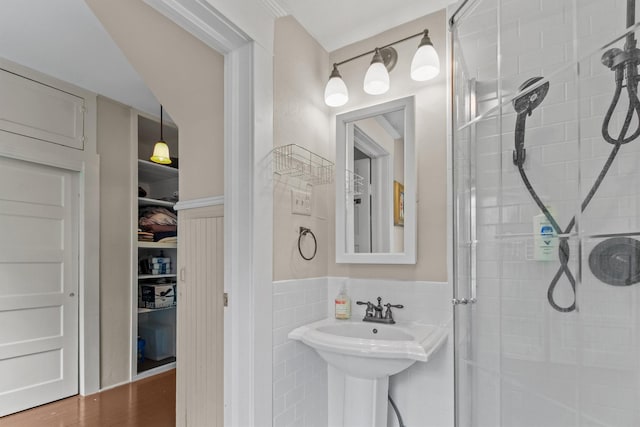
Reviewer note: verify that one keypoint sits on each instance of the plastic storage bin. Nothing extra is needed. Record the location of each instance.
(160, 340)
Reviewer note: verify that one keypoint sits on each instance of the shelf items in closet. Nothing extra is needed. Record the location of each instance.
(155, 327)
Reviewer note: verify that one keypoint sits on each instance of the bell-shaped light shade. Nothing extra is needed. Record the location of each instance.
(376, 81)
(161, 153)
(425, 64)
(335, 93)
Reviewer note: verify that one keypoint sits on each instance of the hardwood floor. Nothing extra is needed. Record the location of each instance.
(150, 402)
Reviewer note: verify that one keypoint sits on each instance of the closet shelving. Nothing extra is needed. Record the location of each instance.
(162, 181)
(155, 326)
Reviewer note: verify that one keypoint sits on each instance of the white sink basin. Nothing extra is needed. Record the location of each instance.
(361, 357)
(371, 350)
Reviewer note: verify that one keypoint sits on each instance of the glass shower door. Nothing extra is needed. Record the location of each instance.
(546, 214)
(476, 124)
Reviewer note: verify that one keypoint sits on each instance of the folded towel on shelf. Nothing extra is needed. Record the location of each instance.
(161, 236)
(173, 239)
(158, 228)
(156, 216)
(144, 236)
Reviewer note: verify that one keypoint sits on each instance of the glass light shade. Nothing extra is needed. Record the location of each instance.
(336, 93)
(376, 81)
(161, 153)
(425, 64)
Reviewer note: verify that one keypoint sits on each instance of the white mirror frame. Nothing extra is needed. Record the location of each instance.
(410, 183)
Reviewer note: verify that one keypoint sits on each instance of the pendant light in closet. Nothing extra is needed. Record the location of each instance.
(161, 149)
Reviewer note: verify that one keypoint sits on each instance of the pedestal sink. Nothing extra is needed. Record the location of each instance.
(361, 357)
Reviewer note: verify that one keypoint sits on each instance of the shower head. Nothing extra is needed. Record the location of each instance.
(610, 58)
(529, 100)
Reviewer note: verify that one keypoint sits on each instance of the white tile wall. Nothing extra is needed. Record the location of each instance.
(537, 366)
(424, 392)
(299, 374)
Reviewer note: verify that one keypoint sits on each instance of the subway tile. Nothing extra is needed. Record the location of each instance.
(559, 113)
(279, 336)
(283, 352)
(283, 386)
(283, 317)
(285, 419)
(278, 371)
(294, 364)
(294, 396)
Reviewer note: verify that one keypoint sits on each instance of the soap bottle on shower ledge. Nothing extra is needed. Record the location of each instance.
(545, 238)
(343, 303)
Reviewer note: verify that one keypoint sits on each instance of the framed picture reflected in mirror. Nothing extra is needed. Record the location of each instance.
(398, 204)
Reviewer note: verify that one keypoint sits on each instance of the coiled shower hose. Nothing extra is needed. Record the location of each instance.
(524, 105)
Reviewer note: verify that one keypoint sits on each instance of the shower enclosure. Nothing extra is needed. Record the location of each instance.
(546, 204)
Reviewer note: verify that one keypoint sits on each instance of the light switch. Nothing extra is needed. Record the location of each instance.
(301, 202)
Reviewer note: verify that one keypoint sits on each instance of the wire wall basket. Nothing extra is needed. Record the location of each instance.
(296, 161)
(354, 183)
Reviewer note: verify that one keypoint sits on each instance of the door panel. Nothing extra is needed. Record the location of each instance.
(40, 111)
(38, 284)
(200, 337)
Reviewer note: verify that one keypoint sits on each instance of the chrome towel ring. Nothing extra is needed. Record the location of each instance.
(303, 232)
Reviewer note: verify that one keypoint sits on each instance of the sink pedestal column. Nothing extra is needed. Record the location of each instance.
(357, 402)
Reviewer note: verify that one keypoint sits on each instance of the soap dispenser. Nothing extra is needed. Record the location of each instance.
(343, 303)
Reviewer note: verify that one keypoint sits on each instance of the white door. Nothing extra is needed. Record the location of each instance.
(38, 284)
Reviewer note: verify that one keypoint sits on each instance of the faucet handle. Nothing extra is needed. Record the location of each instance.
(369, 310)
(388, 314)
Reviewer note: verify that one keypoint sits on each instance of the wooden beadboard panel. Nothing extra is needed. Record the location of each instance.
(200, 352)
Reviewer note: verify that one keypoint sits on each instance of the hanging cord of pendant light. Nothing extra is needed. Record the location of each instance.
(161, 149)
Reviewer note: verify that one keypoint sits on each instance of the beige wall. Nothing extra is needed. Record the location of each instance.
(300, 117)
(186, 76)
(431, 133)
(301, 71)
(113, 137)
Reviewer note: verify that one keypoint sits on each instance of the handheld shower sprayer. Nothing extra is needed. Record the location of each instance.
(524, 104)
(624, 63)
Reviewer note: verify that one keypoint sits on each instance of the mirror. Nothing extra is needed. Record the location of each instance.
(375, 184)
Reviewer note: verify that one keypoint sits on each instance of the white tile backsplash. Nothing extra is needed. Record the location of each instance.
(299, 374)
(424, 392)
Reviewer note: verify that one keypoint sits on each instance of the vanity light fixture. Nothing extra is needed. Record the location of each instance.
(336, 93)
(424, 66)
(376, 81)
(161, 149)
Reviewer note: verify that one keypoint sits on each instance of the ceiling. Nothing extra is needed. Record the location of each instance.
(63, 38)
(338, 23)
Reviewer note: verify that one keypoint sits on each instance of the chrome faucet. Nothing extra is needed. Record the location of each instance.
(373, 313)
